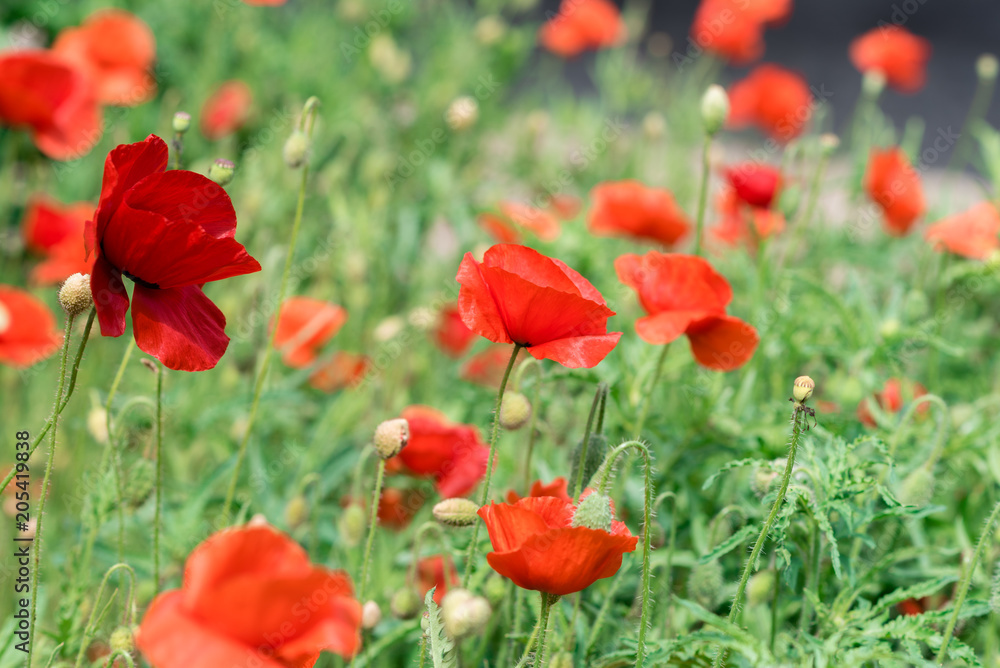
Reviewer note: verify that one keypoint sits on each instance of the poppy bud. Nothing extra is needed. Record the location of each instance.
(917, 488)
(495, 589)
(561, 660)
(371, 615)
(139, 482)
(759, 587)
(597, 448)
(122, 640)
(889, 328)
(986, 67)
(296, 512)
(828, 143)
(873, 83)
(594, 512)
(352, 525)
(222, 171)
(515, 409)
(915, 305)
(391, 437)
(296, 148)
(405, 603)
(463, 613)
(802, 389)
(705, 584)
(97, 424)
(456, 512)
(181, 122)
(462, 113)
(74, 295)
(714, 109)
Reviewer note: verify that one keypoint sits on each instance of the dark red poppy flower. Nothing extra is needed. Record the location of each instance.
(893, 184)
(558, 488)
(56, 231)
(974, 233)
(740, 223)
(734, 29)
(41, 91)
(755, 183)
(535, 546)
(170, 232)
(499, 228)
(116, 49)
(438, 571)
(894, 393)
(631, 209)
(226, 110)
(342, 370)
(899, 55)
(775, 100)
(242, 603)
(582, 25)
(910, 607)
(487, 367)
(539, 222)
(451, 334)
(684, 295)
(518, 295)
(27, 328)
(304, 327)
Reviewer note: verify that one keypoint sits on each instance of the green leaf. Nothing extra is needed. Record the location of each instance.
(441, 646)
(919, 590)
(728, 467)
(727, 546)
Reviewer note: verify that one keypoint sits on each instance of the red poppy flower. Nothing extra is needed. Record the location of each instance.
(56, 231)
(893, 184)
(775, 100)
(974, 233)
(116, 49)
(558, 488)
(539, 222)
(518, 295)
(891, 398)
(487, 367)
(343, 370)
(27, 328)
(226, 110)
(565, 206)
(743, 224)
(53, 98)
(304, 326)
(581, 25)
(170, 232)
(250, 597)
(683, 294)
(897, 53)
(629, 208)
(451, 334)
(438, 571)
(396, 507)
(755, 183)
(734, 29)
(911, 606)
(499, 228)
(535, 546)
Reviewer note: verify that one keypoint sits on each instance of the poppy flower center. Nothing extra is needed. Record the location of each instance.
(139, 281)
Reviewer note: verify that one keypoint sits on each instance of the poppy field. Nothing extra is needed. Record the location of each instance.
(430, 333)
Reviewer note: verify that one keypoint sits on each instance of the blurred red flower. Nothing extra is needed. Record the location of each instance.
(734, 29)
(451, 334)
(397, 507)
(565, 206)
(581, 25)
(518, 295)
(535, 546)
(558, 488)
(499, 228)
(893, 184)
(56, 231)
(170, 232)
(487, 367)
(897, 53)
(629, 208)
(116, 50)
(974, 233)
(539, 222)
(891, 399)
(683, 294)
(226, 110)
(241, 604)
(745, 205)
(53, 98)
(304, 326)
(343, 370)
(775, 100)
(27, 328)
(437, 571)
(755, 183)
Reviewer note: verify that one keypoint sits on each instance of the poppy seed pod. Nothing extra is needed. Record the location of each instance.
(456, 512)
(122, 640)
(371, 615)
(515, 410)
(222, 171)
(714, 108)
(391, 436)
(594, 512)
(802, 389)
(352, 525)
(296, 148)
(74, 295)
(181, 122)
(405, 603)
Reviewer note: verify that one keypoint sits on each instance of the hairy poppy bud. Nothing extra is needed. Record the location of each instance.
(405, 604)
(456, 512)
(802, 389)
(463, 613)
(714, 108)
(74, 295)
(495, 589)
(371, 615)
(297, 511)
(391, 437)
(222, 171)
(181, 122)
(352, 525)
(597, 448)
(705, 584)
(462, 113)
(122, 640)
(986, 67)
(594, 512)
(139, 482)
(917, 488)
(515, 410)
(296, 148)
(759, 587)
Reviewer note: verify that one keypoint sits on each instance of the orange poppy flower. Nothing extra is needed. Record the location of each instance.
(893, 184)
(745, 205)
(116, 50)
(499, 228)
(226, 110)
(487, 367)
(41, 91)
(974, 233)
(304, 326)
(241, 604)
(629, 208)
(27, 328)
(581, 25)
(536, 547)
(891, 399)
(451, 334)
(343, 370)
(734, 29)
(397, 507)
(897, 53)
(438, 571)
(684, 295)
(558, 488)
(775, 100)
(539, 222)
(56, 231)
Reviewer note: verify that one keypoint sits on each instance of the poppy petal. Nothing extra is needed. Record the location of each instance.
(577, 352)
(181, 327)
(668, 326)
(479, 311)
(110, 297)
(722, 343)
(511, 525)
(125, 166)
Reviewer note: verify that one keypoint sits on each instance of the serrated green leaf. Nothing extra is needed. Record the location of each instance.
(918, 590)
(728, 545)
(441, 646)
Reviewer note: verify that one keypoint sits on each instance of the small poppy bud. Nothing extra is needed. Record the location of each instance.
(515, 410)
(917, 488)
(389, 328)
(495, 589)
(828, 143)
(405, 604)
(181, 122)
(139, 482)
(802, 389)
(122, 640)
(258, 520)
(97, 424)
(456, 512)
(986, 67)
(463, 613)
(222, 171)
(714, 109)
(296, 148)
(352, 525)
(873, 83)
(594, 512)
(759, 588)
(74, 295)
(391, 437)
(705, 583)
(561, 660)
(297, 511)
(597, 448)
(371, 615)
(462, 113)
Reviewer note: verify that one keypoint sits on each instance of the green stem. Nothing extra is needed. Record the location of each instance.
(774, 607)
(538, 635)
(702, 194)
(494, 437)
(159, 479)
(115, 454)
(533, 420)
(963, 587)
(980, 104)
(812, 578)
(648, 399)
(602, 389)
(373, 523)
(418, 539)
(91, 628)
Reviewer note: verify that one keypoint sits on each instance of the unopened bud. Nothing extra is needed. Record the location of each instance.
(594, 512)
(222, 171)
(122, 640)
(462, 113)
(705, 584)
(74, 295)
(456, 512)
(371, 615)
(463, 613)
(917, 489)
(597, 449)
(490, 30)
(515, 410)
(391, 436)
(654, 126)
(802, 389)
(352, 525)
(495, 589)
(296, 148)
(986, 67)
(714, 109)
(405, 603)
(828, 143)
(759, 588)
(97, 424)
(296, 512)
(181, 122)
(873, 83)
(139, 482)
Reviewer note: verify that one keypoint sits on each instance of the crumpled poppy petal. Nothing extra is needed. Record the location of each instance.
(110, 297)
(511, 525)
(662, 328)
(577, 352)
(181, 327)
(479, 311)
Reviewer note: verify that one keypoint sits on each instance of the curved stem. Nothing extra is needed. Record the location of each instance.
(648, 399)
(91, 627)
(373, 523)
(602, 389)
(159, 479)
(702, 194)
(942, 425)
